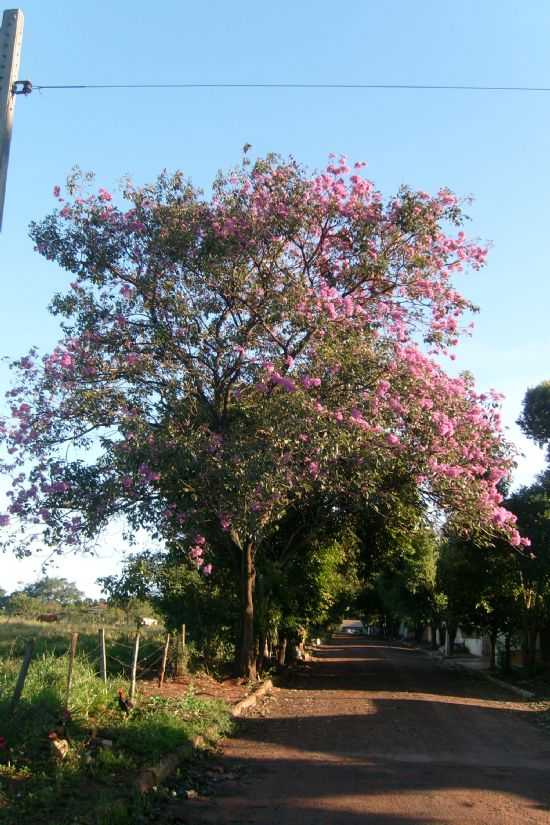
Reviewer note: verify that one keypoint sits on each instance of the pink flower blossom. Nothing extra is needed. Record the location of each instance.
(225, 522)
(313, 467)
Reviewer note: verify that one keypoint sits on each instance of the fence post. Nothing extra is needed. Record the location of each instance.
(164, 658)
(134, 667)
(102, 655)
(27, 656)
(72, 654)
(180, 652)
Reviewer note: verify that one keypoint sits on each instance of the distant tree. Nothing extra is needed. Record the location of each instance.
(175, 589)
(535, 418)
(308, 589)
(21, 604)
(406, 585)
(483, 589)
(58, 590)
(531, 505)
(398, 558)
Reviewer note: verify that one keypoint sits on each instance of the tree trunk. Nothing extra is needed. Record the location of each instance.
(493, 653)
(525, 646)
(263, 652)
(247, 658)
(545, 645)
(281, 652)
(450, 637)
(507, 652)
(532, 651)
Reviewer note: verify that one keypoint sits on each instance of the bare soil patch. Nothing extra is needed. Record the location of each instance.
(231, 689)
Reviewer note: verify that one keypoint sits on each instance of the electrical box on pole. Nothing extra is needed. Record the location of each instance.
(11, 38)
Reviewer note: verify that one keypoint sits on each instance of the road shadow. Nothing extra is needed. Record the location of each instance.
(374, 732)
(377, 792)
(350, 664)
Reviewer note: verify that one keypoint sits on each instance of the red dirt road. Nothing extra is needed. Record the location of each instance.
(383, 735)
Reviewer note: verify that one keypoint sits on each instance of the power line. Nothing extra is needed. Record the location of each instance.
(374, 86)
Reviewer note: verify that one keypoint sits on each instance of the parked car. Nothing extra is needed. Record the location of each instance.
(352, 627)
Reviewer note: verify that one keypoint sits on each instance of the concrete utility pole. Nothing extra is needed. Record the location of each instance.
(11, 37)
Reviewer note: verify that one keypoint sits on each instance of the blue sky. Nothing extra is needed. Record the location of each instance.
(494, 146)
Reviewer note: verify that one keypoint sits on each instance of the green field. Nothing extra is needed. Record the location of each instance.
(55, 639)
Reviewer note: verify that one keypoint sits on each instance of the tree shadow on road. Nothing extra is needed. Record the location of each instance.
(377, 733)
(377, 791)
(370, 665)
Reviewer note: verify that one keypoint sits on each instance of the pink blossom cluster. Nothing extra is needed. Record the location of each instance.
(196, 554)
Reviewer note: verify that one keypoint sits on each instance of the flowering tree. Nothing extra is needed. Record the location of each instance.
(225, 359)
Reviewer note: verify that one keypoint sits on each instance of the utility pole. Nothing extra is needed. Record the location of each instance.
(11, 38)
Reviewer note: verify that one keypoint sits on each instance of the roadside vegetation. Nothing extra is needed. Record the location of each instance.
(420, 578)
(94, 781)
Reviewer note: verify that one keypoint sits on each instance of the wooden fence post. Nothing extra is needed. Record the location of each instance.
(72, 654)
(27, 656)
(102, 655)
(164, 658)
(180, 652)
(134, 668)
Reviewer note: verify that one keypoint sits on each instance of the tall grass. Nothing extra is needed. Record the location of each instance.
(39, 788)
(156, 725)
(39, 709)
(54, 639)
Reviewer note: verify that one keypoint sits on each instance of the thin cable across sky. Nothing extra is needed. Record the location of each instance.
(366, 86)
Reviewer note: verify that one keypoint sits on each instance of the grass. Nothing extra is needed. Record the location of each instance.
(55, 639)
(84, 788)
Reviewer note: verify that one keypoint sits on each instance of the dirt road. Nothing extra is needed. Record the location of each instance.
(383, 735)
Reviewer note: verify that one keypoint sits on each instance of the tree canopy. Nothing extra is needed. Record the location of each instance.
(51, 589)
(535, 417)
(226, 359)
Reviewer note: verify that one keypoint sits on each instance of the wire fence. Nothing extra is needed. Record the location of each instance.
(135, 657)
